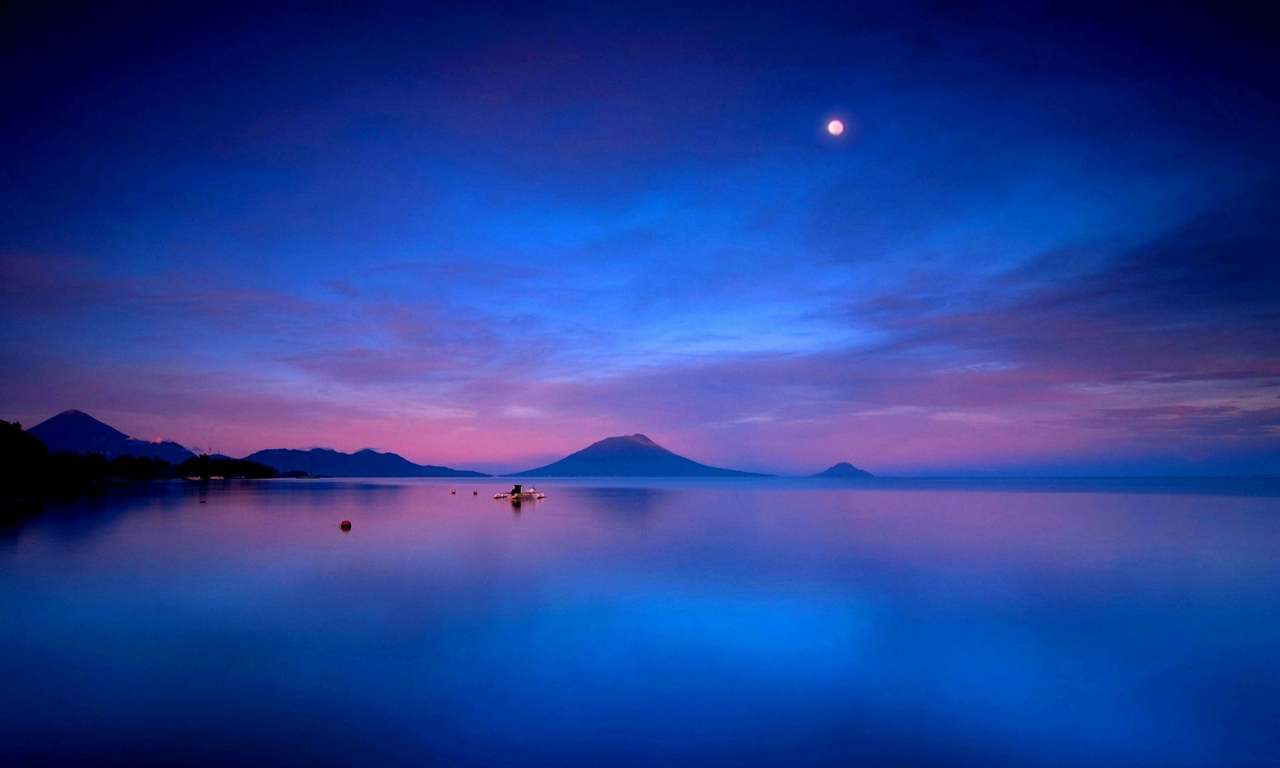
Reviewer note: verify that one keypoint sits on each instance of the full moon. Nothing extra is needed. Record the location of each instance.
(835, 127)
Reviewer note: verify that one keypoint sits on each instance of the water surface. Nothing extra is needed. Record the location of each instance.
(726, 622)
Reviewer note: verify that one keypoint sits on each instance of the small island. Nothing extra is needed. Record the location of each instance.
(843, 469)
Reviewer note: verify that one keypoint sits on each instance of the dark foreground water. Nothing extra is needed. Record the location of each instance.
(659, 623)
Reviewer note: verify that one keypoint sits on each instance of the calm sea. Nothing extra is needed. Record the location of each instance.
(657, 623)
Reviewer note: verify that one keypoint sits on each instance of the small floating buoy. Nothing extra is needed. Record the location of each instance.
(346, 525)
(455, 493)
(202, 501)
(475, 493)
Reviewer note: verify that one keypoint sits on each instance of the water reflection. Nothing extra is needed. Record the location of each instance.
(625, 504)
(676, 624)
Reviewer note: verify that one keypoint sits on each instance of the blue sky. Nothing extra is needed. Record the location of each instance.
(486, 236)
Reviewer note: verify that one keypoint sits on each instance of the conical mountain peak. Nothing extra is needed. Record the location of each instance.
(74, 426)
(77, 432)
(628, 456)
(843, 469)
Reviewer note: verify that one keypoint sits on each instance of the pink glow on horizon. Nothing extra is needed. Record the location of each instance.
(488, 240)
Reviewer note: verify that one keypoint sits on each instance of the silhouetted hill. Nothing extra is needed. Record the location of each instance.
(30, 475)
(843, 469)
(366, 463)
(629, 456)
(78, 432)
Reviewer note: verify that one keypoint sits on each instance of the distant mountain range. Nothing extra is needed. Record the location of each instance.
(629, 456)
(843, 469)
(366, 463)
(78, 432)
(623, 456)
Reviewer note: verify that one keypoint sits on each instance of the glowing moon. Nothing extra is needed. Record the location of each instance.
(835, 127)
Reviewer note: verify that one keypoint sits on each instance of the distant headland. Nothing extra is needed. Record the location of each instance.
(31, 474)
(76, 432)
(366, 463)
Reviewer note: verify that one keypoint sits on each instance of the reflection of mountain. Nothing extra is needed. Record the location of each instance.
(366, 463)
(77, 432)
(843, 469)
(623, 503)
(629, 456)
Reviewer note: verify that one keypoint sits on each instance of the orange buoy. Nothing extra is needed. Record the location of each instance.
(346, 525)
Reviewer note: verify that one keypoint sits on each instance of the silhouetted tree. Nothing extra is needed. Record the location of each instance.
(205, 467)
(29, 474)
(23, 463)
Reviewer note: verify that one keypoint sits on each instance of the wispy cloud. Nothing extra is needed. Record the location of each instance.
(1050, 238)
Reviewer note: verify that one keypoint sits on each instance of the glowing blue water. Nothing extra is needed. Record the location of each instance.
(647, 623)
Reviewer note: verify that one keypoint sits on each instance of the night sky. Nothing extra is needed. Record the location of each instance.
(486, 236)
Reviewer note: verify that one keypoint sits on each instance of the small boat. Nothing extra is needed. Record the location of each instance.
(520, 493)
